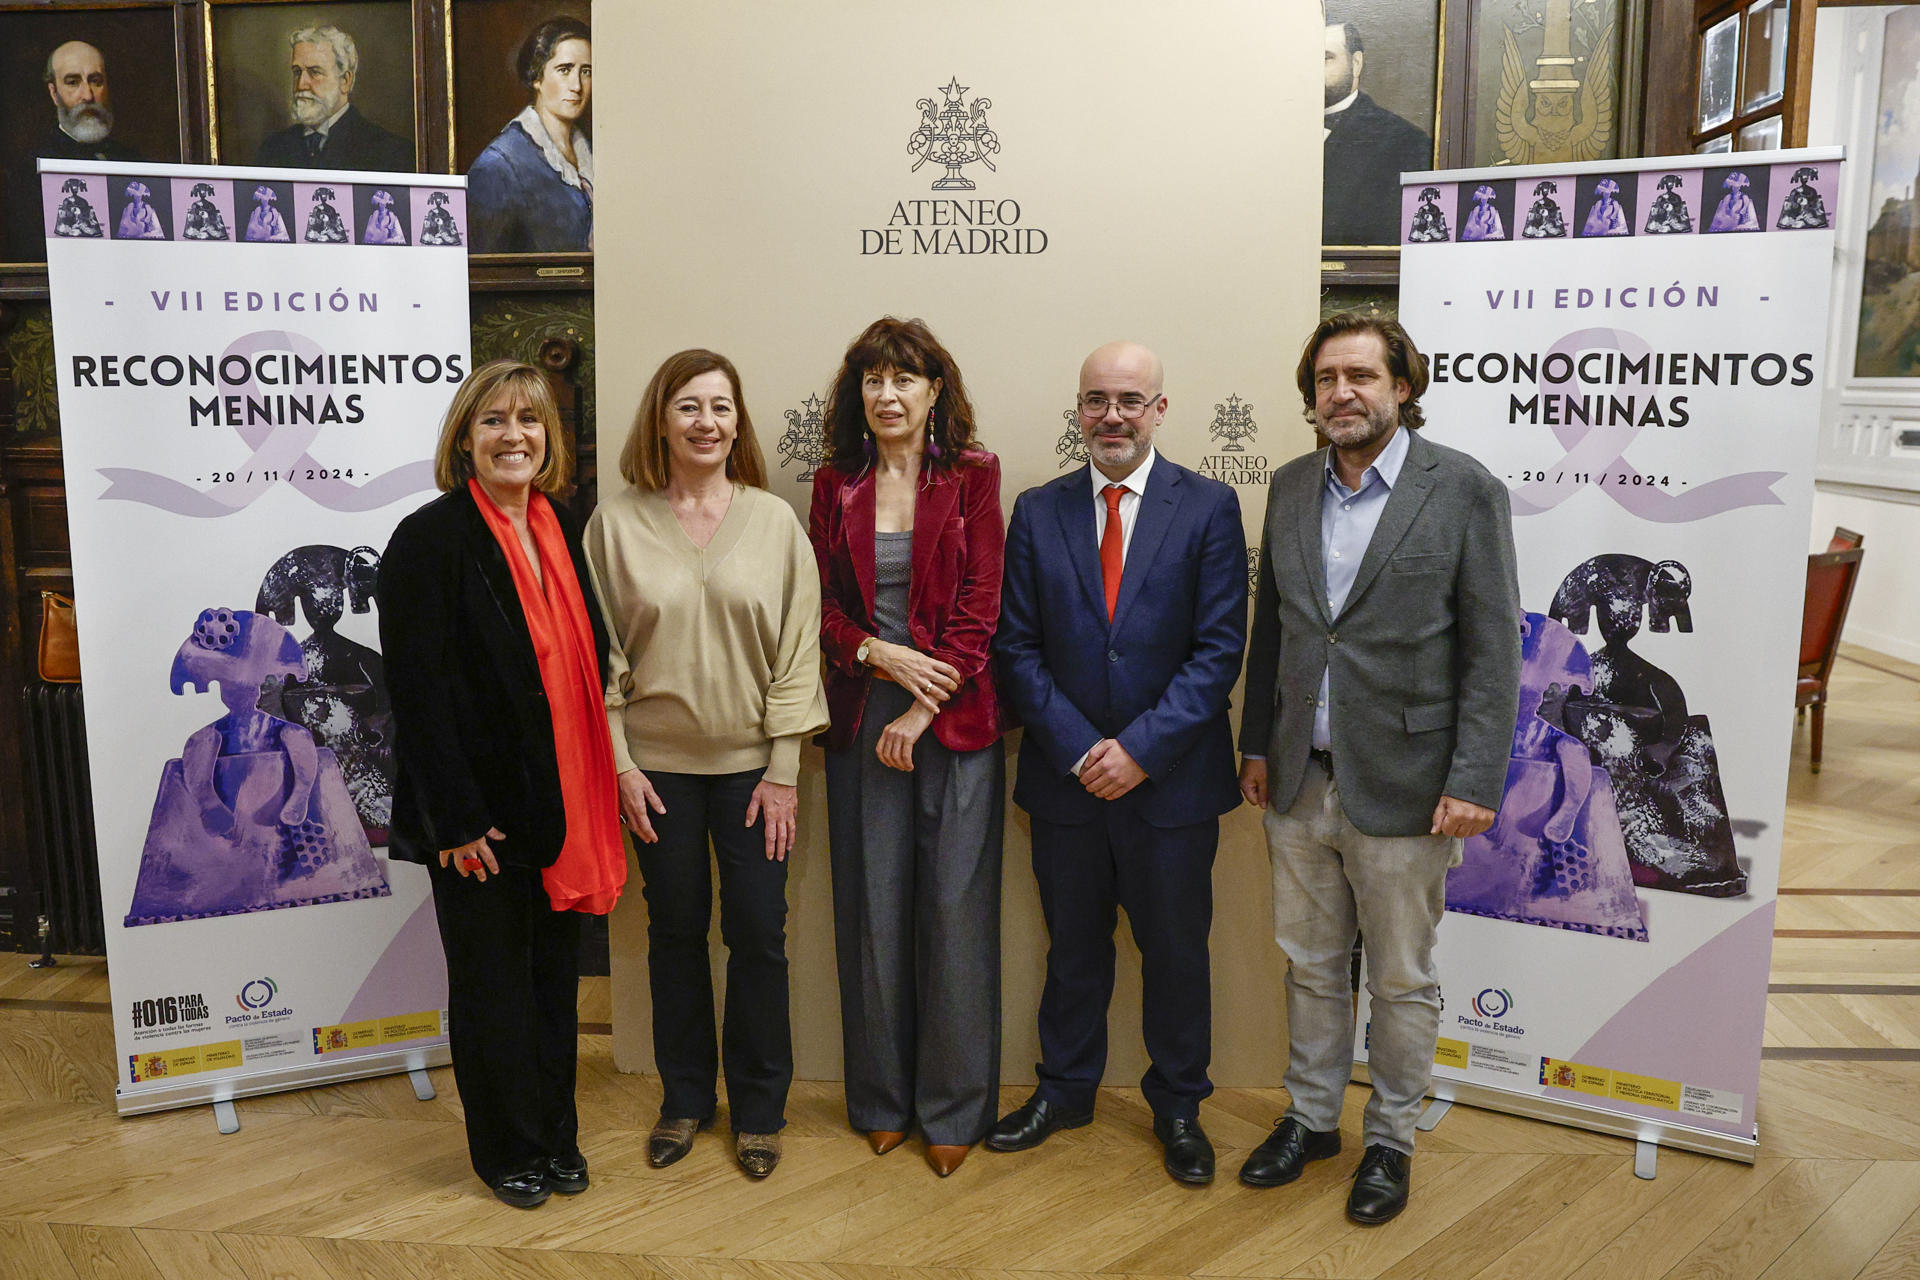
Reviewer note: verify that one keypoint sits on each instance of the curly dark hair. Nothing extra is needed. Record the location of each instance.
(907, 345)
(534, 55)
(1403, 359)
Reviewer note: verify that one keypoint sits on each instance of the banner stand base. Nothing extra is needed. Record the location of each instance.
(1430, 1118)
(422, 1085)
(224, 1116)
(189, 1094)
(1646, 1159)
(1644, 1132)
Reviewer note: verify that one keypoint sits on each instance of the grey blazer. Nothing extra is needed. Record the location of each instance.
(1425, 655)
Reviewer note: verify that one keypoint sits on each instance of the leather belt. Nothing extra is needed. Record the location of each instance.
(1325, 758)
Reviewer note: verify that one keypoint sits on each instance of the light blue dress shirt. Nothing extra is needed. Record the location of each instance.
(1348, 518)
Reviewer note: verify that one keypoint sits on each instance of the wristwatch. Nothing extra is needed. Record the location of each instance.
(860, 654)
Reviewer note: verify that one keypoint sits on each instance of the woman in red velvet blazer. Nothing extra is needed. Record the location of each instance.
(907, 528)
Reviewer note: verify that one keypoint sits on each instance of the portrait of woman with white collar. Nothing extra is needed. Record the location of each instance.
(531, 190)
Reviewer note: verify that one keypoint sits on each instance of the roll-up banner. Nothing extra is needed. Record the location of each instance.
(252, 367)
(1635, 347)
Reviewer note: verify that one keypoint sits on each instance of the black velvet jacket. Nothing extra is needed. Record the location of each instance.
(474, 736)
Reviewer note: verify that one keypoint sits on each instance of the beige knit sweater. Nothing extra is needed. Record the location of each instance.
(715, 662)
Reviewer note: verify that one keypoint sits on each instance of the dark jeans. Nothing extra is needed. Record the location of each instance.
(513, 966)
(756, 1043)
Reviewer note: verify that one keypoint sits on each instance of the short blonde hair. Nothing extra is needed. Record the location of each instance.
(644, 460)
(453, 455)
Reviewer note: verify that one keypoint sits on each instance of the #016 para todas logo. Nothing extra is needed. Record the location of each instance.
(952, 135)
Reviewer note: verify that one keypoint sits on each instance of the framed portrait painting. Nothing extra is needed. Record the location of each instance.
(1382, 80)
(314, 86)
(523, 123)
(81, 84)
(1547, 80)
(1887, 340)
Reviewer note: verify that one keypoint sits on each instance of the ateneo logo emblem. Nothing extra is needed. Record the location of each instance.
(1232, 427)
(805, 439)
(1232, 423)
(953, 134)
(1071, 446)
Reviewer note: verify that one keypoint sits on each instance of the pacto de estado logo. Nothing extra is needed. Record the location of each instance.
(953, 134)
(1494, 1002)
(257, 993)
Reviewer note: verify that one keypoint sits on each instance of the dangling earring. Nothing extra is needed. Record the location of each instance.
(933, 438)
(866, 445)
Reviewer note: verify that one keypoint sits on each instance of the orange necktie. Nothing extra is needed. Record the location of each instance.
(1110, 553)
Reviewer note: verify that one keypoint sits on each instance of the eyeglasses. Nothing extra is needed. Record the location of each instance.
(1094, 404)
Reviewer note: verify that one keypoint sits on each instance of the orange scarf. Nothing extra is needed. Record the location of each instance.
(592, 866)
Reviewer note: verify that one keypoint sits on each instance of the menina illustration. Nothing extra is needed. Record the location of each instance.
(324, 225)
(252, 816)
(342, 698)
(203, 216)
(1666, 775)
(1555, 855)
(266, 224)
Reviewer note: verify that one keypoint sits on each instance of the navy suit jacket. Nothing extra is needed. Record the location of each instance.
(1158, 677)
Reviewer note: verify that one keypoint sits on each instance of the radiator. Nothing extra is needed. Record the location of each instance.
(61, 853)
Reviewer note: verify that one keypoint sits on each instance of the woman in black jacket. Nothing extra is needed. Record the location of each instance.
(495, 662)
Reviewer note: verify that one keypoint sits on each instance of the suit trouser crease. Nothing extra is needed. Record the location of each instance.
(513, 966)
(1331, 881)
(1163, 877)
(755, 1035)
(916, 895)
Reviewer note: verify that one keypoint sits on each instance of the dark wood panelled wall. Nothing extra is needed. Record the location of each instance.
(540, 308)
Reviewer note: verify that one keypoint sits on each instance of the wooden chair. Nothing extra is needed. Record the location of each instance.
(1830, 579)
(1845, 539)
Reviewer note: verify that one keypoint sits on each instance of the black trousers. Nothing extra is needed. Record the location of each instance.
(513, 976)
(756, 1039)
(1163, 876)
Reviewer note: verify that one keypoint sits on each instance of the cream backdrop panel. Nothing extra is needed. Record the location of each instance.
(1158, 169)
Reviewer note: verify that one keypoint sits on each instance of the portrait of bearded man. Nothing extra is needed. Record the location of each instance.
(328, 130)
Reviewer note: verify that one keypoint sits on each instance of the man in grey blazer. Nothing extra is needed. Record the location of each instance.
(1382, 683)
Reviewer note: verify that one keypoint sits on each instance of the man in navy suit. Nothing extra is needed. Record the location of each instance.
(1122, 622)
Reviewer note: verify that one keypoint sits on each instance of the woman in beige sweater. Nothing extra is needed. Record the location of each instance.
(713, 610)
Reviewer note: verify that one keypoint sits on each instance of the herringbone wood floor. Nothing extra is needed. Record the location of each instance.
(362, 1180)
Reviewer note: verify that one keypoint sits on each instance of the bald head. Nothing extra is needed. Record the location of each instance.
(77, 82)
(1120, 405)
(1130, 358)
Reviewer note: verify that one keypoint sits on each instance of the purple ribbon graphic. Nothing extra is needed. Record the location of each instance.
(279, 452)
(1595, 449)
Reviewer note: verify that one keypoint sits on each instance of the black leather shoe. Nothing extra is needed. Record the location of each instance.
(1031, 1123)
(1189, 1154)
(567, 1174)
(1285, 1155)
(1379, 1186)
(523, 1190)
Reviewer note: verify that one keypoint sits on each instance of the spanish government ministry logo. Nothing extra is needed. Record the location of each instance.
(805, 439)
(953, 134)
